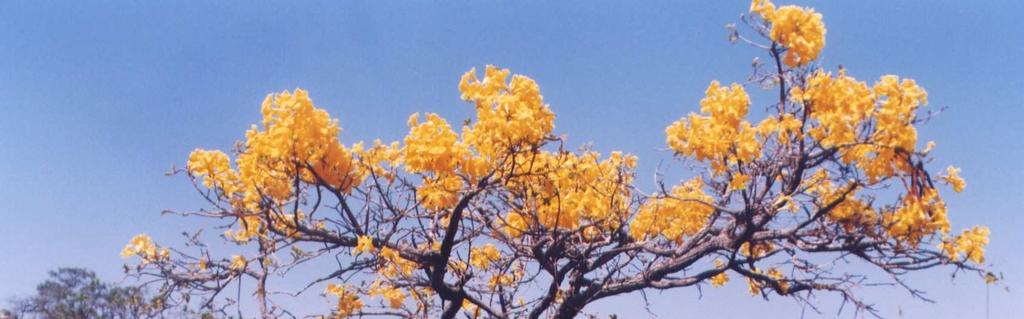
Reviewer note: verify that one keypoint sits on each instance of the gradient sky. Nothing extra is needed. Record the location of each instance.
(99, 100)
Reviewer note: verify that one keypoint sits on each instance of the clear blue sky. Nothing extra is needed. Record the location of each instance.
(98, 100)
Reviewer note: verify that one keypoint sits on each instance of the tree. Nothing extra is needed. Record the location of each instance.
(501, 220)
(76, 293)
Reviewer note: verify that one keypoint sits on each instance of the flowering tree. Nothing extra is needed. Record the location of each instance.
(500, 220)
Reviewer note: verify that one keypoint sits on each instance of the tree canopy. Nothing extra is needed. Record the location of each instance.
(500, 218)
(76, 293)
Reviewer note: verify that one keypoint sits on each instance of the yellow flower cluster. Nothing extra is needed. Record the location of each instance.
(238, 263)
(851, 212)
(440, 193)
(682, 214)
(839, 104)
(432, 146)
(509, 115)
(214, 167)
(297, 139)
(249, 227)
(757, 250)
(953, 179)
(724, 137)
(482, 257)
(971, 243)
(568, 190)
(754, 286)
(394, 264)
(796, 28)
(721, 278)
(295, 135)
(894, 136)
(142, 245)
(917, 217)
(502, 280)
(739, 181)
(364, 244)
(514, 224)
(842, 107)
(785, 125)
(373, 160)
(348, 300)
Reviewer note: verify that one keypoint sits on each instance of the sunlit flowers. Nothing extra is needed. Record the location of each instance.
(364, 245)
(348, 300)
(142, 245)
(954, 180)
(798, 29)
(722, 136)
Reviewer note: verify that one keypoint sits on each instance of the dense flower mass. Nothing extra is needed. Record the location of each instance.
(798, 29)
(566, 190)
(683, 213)
(464, 221)
(722, 136)
(509, 115)
(839, 104)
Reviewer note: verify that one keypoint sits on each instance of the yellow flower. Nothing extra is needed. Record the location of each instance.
(238, 263)
(440, 193)
(776, 274)
(142, 245)
(917, 217)
(722, 136)
(739, 181)
(348, 301)
(972, 243)
(840, 105)
(683, 214)
(514, 224)
(798, 29)
(756, 250)
(395, 264)
(363, 244)
(953, 179)
(215, 169)
(432, 147)
(721, 278)
(509, 115)
(482, 257)
(500, 280)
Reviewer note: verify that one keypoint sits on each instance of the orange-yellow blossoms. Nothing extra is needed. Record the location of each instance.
(142, 245)
(972, 244)
(722, 136)
(364, 244)
(482, 257)
(509, 115)
(721, 278)
(568, 190)
(348, 300)
(683, 213)
(798, 29)
(297, 139)
(954, 180)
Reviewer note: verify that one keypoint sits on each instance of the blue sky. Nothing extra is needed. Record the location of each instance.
(98, 100)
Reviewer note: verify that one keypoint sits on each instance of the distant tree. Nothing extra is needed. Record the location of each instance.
(73, 293)
(501, 220)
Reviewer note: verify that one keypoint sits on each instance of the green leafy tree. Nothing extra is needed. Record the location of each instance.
(77, 293)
